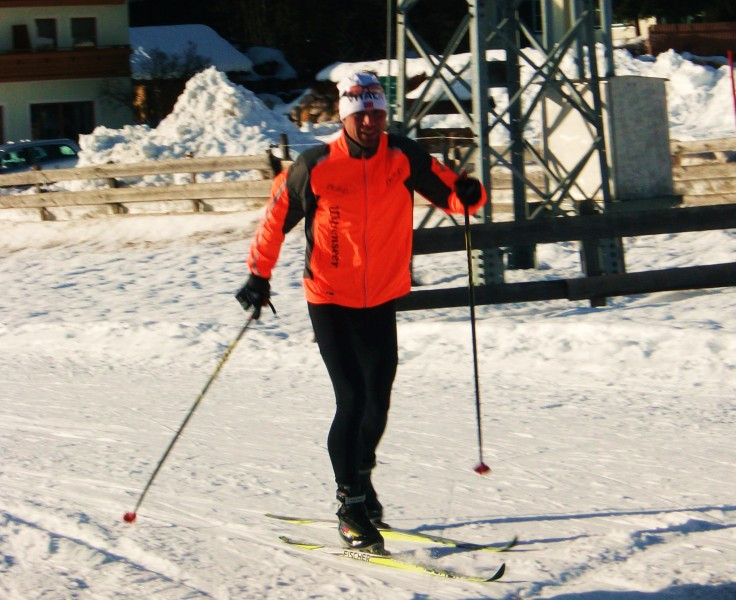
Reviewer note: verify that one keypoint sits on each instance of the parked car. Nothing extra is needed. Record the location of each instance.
(38, 154)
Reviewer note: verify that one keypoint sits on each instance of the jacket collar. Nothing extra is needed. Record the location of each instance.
(355, 150)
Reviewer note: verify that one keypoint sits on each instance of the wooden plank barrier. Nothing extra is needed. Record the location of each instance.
(547, 231)
(190, 191)
(119, 195)
(260, 163)
(582, 288)
(653, 222)
(709, 161)
(704, 172)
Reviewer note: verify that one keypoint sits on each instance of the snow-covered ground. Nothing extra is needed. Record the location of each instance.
(609, 430)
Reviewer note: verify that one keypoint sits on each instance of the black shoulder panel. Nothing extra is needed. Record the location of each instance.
(301, 197)
(423, 179)
(419, 158)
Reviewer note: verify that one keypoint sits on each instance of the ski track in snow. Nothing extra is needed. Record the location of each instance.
(609, 431)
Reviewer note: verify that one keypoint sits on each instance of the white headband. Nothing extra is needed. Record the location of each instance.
(350, 104)
(367, 101)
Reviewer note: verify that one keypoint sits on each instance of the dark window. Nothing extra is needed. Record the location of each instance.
(13, 160)
(84, 32)
(63, 120)
(53, 152)
(21, 39)
(46, 34)
(60, 151)
(38, 155)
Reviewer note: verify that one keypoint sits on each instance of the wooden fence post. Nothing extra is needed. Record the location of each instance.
(590, 251)
(37, 186)
(733, 84)
(111, 181)
(192, 176)
(284, 145)
(274, 161)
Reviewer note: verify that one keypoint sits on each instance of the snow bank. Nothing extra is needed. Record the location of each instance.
(212, 117)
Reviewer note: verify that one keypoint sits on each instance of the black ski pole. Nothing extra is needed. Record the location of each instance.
(129, 517)
(481, 468)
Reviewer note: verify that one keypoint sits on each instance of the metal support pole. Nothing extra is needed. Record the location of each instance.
(401, 24)
(519, 257)
(491, 260)
(606, 20)
(389, 55)
(576, 9)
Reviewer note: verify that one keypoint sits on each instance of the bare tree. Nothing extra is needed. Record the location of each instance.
(161, 78)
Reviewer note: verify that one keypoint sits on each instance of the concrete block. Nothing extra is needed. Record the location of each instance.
(636, 135)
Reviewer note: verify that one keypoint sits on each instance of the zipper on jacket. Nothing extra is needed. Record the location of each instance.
(365, 233)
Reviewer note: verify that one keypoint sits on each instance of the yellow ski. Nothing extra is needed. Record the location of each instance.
(407, 535)
(388, 560)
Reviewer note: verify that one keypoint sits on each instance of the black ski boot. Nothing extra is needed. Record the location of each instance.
(354, 526)
(373, 506)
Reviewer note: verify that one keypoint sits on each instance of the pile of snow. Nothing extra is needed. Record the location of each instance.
(212, 117)
(700, 99)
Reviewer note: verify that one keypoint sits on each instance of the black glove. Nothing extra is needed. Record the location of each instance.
(468, 190)
(256, 293)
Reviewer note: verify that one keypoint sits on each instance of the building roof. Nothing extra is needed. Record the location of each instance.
(175, 40)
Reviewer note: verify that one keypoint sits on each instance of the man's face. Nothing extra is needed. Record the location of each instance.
(366, 126)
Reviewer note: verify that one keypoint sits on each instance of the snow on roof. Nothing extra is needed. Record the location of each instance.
(175, 39)
(269, 62)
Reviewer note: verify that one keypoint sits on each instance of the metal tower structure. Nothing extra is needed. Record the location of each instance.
(520, 53)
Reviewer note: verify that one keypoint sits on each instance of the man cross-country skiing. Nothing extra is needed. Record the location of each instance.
(356, 196)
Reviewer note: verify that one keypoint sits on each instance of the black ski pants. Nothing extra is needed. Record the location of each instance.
(359, 348)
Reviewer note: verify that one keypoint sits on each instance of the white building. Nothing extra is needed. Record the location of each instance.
(59, 60)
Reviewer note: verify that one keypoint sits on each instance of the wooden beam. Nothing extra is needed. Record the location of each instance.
(155, 167)
(192, 191)
(584, 288)
(500, 293)
(696, 146)
(551, 230)
(647, 282)
(56, 3)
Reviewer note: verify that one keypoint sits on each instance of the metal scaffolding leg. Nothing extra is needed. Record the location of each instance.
(569, 29)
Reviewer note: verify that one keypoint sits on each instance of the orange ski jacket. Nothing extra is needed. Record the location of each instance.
(358, 211)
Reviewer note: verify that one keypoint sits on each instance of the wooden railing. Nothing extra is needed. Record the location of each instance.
(704, 173)
(712, 160)
(579, 228)
(117, 195)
